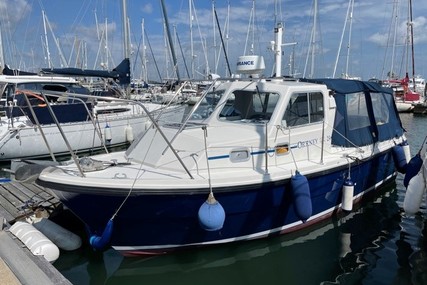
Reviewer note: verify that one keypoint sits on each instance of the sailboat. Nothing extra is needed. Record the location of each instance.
(406, 95)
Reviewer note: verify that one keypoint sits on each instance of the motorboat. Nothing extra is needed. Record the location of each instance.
(256, 157)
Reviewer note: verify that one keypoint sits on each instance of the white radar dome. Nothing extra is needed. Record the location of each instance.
(250, 64)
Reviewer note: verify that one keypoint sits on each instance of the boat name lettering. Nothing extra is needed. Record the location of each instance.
(302, 144)
(245, 62)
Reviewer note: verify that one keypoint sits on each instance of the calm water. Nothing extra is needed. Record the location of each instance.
(375, 244)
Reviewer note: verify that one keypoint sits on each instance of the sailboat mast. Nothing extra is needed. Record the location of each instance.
(313, 40)
(125, 30)
(349, 38)
(223, 45)
(396, 17)
(342, 38)
(144, 53)
(214, 37)
(190, 8)
(49, 64)
(171, 46)
(411, 26)
(2, 63)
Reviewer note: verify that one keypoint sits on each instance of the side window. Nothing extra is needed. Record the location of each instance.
(27, 86)
(357, 111)
(304, 108)
(380, 105)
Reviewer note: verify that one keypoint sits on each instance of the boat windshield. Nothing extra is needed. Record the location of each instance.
(208, 105)
(249, 106)
(241, 105)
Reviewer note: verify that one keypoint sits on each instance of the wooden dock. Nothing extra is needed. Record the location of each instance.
(19, 200)
(17, 264)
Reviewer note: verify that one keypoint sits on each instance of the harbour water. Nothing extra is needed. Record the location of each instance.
(375, 244)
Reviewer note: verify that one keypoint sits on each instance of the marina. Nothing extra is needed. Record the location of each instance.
(270, 171)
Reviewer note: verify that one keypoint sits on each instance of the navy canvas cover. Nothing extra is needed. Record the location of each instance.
(365, 112)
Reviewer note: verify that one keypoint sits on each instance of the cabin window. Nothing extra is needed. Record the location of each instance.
(250, 106)
(304, 108)
(380, 103)
(357, 111)
(208, 105)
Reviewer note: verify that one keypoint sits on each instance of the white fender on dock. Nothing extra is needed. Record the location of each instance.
(60, 236)
(414, 194)
(36, 241)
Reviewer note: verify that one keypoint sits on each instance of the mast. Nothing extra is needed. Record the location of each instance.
(349, 38)
(190, 8)
(2, 63)
(144, 53)
(347, 16)
(313, 40)
(214, 36)
(175, 62)
(311, 49)
(396, 16)
(227, 32)
(49, 64)
(126, 45)
(106, 50)
(278, 49)
(223, 45)
(251, 28)
(411, 27)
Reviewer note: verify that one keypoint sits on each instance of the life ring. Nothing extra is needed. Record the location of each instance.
(32, 94)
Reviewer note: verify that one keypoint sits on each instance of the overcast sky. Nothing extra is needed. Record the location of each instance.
(375, 26)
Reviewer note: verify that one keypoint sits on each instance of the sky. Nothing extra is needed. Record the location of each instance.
(89, 34)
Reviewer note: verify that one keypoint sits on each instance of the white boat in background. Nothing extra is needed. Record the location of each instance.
(87, 124)
(419, 86)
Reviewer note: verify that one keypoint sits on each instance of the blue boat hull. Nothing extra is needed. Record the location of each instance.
(154, 223)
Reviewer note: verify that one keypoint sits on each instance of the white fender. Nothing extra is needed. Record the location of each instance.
(129, 133)
(414, 194)
(35, 241)
(407, 151)
(107, 133)
(347, 196)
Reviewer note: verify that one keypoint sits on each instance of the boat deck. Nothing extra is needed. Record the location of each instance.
(17, 264)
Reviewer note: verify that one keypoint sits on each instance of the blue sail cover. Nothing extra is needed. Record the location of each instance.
(365, 113)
